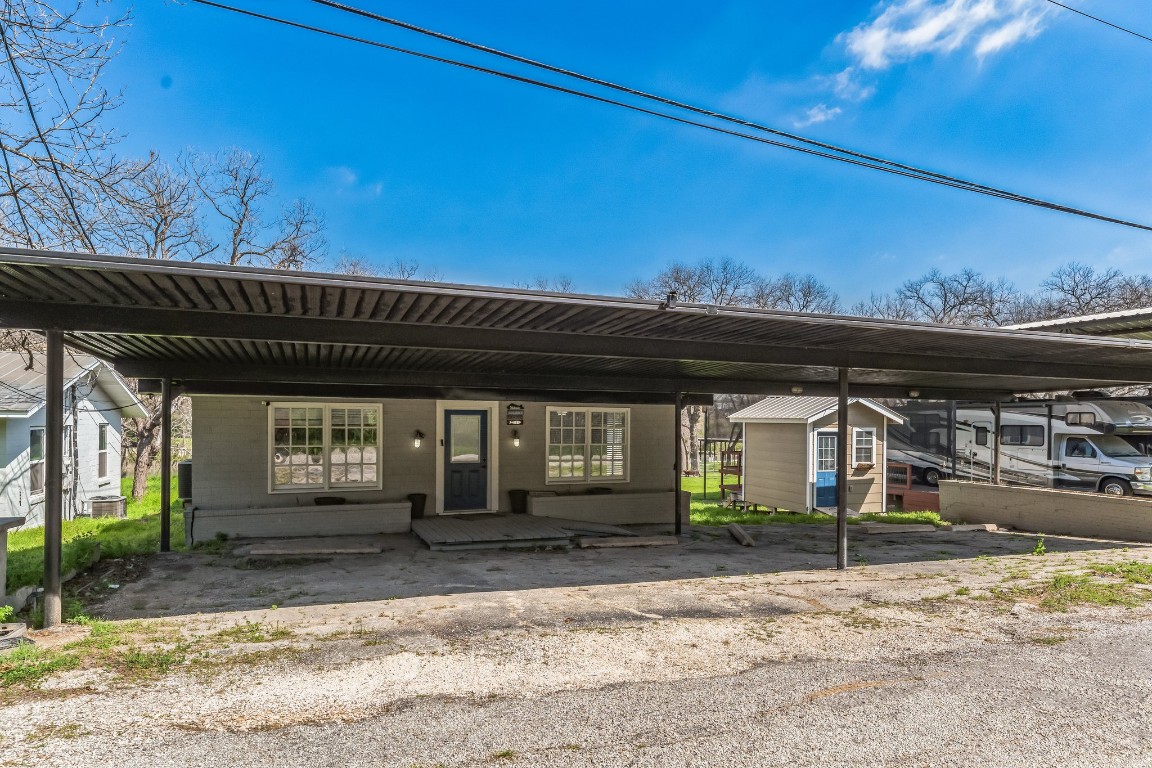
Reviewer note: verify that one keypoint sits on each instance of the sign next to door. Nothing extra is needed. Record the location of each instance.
(515, 415)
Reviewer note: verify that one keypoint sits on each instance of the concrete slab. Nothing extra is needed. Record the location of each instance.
(323, 545)
(895, 528)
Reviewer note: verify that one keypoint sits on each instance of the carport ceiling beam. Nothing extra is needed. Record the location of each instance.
(184, 323)
(207, 374)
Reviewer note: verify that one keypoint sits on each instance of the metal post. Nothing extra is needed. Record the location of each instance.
(165, 465)
(1052, 455)
(53, 476)
(679, 464)
(842, 473)
(952, 434)
(706, 412)
(996, 443)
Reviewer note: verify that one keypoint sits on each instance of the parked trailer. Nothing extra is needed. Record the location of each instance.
(1072, 444)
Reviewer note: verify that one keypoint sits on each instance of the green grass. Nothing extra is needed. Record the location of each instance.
(714, 514)
(138, 534)
(1132, 571)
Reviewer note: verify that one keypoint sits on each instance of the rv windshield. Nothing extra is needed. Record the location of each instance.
(1113, 446)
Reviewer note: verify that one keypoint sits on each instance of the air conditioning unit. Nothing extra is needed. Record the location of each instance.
(108, 506)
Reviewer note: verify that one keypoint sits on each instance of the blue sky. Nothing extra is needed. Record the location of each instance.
(493, 182)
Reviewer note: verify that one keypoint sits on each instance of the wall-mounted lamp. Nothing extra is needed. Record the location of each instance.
(797, 390)
(417, 437)
(516, 438)
(913, 393)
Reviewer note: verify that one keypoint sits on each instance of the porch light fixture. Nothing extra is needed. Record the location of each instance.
(516, 438)
(913, 393)
(797, 390)
(417, 436)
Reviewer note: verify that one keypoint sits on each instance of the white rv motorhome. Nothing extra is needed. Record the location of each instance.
(1073, 444)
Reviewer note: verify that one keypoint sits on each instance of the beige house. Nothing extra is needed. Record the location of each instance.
(790, 453)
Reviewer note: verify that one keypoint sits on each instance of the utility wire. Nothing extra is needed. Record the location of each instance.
(1102, 21)
(642, 94)
(646, 95)
(844, 156)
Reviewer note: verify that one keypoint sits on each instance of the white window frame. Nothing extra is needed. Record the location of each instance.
(856, 433)
(588, 478)
(43, 456)
(103, 453)
(270, 448)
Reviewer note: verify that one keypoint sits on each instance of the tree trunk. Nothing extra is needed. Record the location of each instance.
(694, 412)
(145, 452)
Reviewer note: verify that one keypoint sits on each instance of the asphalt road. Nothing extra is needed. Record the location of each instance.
(1082, 702)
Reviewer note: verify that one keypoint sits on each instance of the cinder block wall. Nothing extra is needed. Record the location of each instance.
(1044, 510)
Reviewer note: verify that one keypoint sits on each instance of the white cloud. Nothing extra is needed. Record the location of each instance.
(906, 29)
(821, 113)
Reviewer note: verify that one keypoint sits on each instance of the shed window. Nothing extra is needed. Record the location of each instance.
(318, 447)
(864, 445)
(36, 460)
(587, 444)
(1022, 434)
(102, 452)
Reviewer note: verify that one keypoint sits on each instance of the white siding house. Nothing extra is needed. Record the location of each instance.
(96, 399)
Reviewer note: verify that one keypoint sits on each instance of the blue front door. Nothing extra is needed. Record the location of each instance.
(465, 460)
(825, 469)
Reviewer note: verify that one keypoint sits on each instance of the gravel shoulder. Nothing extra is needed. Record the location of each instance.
(929, 660)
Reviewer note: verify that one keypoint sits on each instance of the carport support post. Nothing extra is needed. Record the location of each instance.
(165, 465)
(996, 443)
(678, 464)
(842, 473)
(53, 475)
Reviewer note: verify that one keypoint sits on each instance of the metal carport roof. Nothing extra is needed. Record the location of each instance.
(230, 329)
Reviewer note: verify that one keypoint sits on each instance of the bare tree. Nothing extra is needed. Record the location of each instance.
(561, 284)
(798, 293)
(963, 298)
(160, 218)
(235, 186)
(59, 180)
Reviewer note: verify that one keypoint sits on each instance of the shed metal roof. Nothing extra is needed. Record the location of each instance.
(803, 409)
(230, 329)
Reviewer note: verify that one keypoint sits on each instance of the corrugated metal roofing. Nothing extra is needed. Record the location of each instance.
(204, 324)
(22, 388)
(1128, 323)
(801, 408)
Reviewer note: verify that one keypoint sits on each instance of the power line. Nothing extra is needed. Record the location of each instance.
(1102, 21)
(834, 153)
(647, 95)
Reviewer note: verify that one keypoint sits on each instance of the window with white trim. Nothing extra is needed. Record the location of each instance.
(864, 445)
(317, 447)
(102, 452)
(36, 460)
(587, 444)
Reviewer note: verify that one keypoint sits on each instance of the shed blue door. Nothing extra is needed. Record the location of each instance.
(465, 460)
(825, 469)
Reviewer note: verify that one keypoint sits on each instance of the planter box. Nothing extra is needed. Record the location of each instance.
(332, 520)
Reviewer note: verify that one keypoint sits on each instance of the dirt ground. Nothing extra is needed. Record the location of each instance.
(706, 653)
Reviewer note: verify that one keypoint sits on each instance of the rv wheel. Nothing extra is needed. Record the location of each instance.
(1114, 486)
(932, 476)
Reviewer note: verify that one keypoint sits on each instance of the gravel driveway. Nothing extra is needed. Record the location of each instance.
(921, 661)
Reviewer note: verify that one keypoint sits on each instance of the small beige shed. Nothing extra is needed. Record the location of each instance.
(790, 453)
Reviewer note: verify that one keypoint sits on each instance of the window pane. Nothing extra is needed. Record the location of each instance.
(464, 435)
(102, 440)
(37, 477)
(36, 445)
